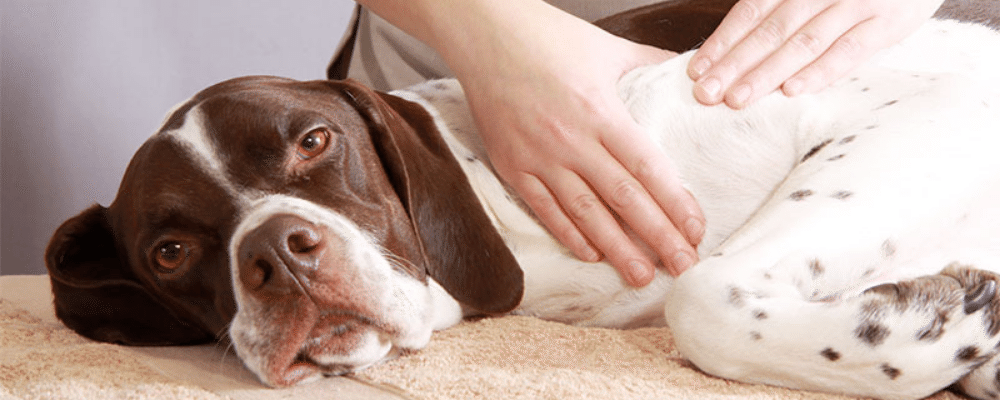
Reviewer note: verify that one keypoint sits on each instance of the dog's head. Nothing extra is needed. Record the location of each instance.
(319, 226)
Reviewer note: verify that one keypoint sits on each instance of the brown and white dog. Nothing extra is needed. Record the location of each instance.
(851, 244)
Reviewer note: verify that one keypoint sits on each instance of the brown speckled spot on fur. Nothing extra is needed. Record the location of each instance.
(966, 354)
(888, 248)
(891, 371)
(872, 334)
(800, 195)
(816, 268)
(830, 354)
(736, 296)
(887, 104)
(815, 149)
(842, 194)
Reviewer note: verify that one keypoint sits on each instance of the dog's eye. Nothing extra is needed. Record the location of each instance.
(313, 143)
(171, 256)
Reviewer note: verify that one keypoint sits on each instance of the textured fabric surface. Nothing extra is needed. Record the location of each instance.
(498, 358)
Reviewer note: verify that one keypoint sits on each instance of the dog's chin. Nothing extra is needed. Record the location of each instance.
(301, 341)
(336, 348)
(336, 345)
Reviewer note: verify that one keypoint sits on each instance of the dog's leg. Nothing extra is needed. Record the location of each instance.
(901, 340)
(793, 298)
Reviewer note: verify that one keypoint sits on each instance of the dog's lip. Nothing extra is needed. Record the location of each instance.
(324, 350)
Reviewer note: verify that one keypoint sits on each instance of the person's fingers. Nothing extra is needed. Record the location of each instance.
(547, 209)
(796, 45)
(846, 52)
(592, 217)
(643, 158)
(632, 203)
(664, 215)
(805, 46)
(725, 80)
(744, 16)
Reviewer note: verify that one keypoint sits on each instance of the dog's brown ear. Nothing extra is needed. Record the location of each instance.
(464, 252)
(99, 297)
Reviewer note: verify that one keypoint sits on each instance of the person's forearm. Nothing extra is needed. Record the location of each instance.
(462, 31)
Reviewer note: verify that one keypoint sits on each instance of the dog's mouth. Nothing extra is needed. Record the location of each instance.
(337, 344)
(304, 337)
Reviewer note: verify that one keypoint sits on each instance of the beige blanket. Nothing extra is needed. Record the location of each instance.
(500, 358)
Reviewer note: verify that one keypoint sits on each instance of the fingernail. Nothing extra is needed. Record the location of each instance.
(699, 66)
(741, 95)
(793, 87)
(682, 261)
(638, 273)
(694, 229)
(710, 87)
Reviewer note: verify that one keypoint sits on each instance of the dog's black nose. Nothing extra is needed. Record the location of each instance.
(281, 247)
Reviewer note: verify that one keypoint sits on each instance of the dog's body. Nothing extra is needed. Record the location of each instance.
(890, 176)
(321, 239)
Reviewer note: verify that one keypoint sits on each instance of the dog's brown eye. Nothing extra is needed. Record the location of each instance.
(171, 256)
(313, 143)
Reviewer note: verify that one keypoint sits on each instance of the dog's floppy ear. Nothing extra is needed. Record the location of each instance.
(99, 297)
(463, 251)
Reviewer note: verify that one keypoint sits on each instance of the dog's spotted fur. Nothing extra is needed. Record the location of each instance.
(868, 209)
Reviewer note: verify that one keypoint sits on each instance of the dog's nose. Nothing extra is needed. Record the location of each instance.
(281, 246)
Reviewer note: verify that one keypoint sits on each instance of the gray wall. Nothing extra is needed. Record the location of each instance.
(85, 82)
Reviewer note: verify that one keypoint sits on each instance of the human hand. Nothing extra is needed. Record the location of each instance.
(543, 93)
(542, 87)
(798, 45)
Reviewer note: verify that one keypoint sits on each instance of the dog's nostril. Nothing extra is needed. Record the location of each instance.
(255, 271)
(303, 242)
(258, 274)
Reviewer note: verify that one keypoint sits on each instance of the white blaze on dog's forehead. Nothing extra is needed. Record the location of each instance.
(192, 135)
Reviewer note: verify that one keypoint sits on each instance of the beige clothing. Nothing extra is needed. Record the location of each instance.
(386, 58)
